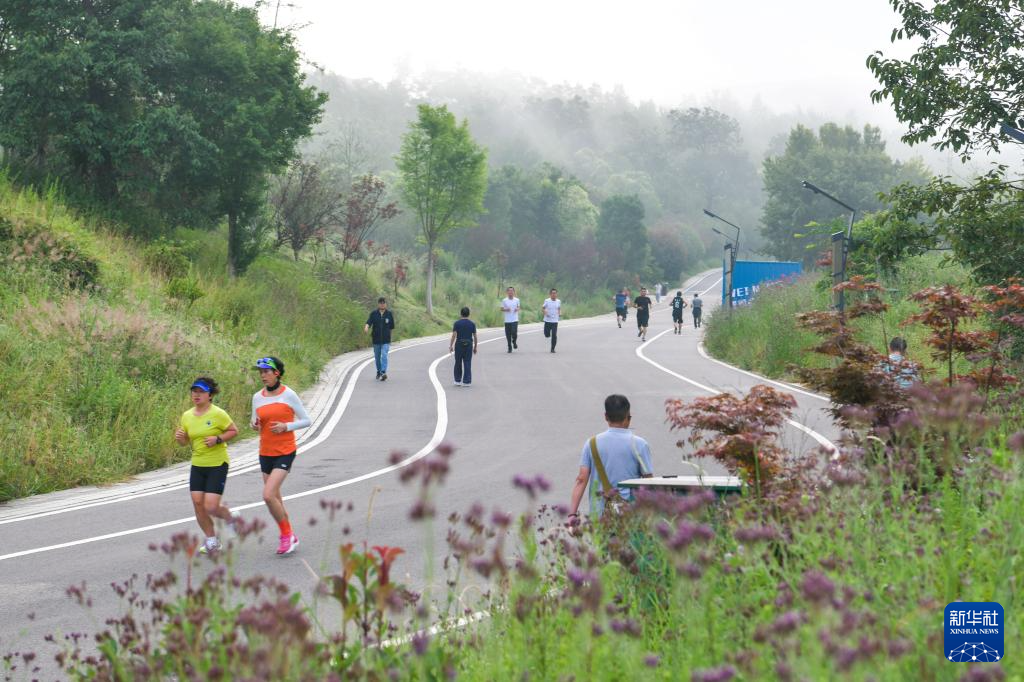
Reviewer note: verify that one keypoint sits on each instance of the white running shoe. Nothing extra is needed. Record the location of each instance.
(457, 383)
(210, 546)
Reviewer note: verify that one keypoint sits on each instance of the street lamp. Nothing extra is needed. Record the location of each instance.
(838, 269)
(734, 249)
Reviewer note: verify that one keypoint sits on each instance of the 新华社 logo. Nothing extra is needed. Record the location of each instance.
(974, 632)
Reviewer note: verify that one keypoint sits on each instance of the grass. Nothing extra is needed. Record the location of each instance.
(765, 338)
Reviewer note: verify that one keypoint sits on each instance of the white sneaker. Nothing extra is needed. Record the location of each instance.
(210, 546)
(458, 383)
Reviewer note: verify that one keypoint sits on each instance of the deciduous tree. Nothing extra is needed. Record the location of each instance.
(444, 176)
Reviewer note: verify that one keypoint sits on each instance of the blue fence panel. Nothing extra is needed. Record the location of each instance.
(751, 275)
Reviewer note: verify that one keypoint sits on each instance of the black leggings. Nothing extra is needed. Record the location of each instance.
(551, 330)
(511, 333)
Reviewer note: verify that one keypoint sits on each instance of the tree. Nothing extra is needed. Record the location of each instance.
(303, 204)
(243, 86)
(86, 94)
(849, 164)
(444, 177)
(963, 80)
(364, 211)
(179, 108)
(621, 235)
(957, 89)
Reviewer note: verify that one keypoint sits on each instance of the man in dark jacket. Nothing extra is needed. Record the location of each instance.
(379, 324)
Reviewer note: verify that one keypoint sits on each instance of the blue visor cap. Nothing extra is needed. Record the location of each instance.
(202, 386)
(266, 363)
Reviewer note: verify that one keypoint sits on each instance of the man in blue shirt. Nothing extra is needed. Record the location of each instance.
(379, 324)
(463, 345)
(622, 454)
(621, 301)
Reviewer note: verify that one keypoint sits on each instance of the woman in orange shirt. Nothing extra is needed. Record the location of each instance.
(277, 413)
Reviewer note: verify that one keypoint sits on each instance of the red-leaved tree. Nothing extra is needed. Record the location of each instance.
(740, 432)
(364, 211)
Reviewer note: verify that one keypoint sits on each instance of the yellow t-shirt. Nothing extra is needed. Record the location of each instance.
(213, 422)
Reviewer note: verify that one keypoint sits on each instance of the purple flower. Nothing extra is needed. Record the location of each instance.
(787, 622)
(756, 533)
(1016, 441)
(420, 641)
(651, 661)
(721, 674)
(816, 587)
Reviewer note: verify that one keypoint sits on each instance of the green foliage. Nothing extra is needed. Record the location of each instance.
(167, 257)
(175, 110)
(621, 236)
(185, 288)
(850, 165)
(444, 177)
(981, 223)
(960, 84)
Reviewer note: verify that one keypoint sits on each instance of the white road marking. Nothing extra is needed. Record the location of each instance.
(822, 440)
(789, 387)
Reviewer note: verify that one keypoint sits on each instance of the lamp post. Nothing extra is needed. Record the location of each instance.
(838, 239)
(733, 247)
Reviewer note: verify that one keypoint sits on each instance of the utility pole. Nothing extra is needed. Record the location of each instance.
(840, 246)
(733, 247)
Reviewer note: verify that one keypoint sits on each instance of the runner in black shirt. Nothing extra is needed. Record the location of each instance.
(643, 313)
(677, 312)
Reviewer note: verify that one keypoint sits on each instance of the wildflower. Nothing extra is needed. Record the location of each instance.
(816, 587)
(651, 661)
(756, 533)
(721, 674)
(420, 641)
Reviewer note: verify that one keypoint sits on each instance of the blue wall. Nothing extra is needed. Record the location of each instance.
(752, 275)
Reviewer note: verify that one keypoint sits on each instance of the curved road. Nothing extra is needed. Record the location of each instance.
(528, 412)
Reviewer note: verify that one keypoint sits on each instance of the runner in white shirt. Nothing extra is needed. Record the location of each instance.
(510, 306)
(552, 309)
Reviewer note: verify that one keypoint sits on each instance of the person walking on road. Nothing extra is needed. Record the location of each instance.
(463, 345)
(621, 301)
(510, 306)
(678, 305)
(696, 305)
(657, 293)
(380, 323)
(642, 303)
(552, 310)
(610, 457)
(207, 428)
(277, 413)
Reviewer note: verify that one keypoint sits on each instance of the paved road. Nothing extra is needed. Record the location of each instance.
(527, 412)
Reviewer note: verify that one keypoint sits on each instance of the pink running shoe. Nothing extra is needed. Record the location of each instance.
(288, 544)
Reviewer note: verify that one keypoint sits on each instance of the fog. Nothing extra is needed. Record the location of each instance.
(588, 88)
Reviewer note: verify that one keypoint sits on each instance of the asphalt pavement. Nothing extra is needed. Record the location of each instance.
(528, 412)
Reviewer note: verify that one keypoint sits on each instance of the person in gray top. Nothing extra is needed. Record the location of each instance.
(696, 306)
(622, 455)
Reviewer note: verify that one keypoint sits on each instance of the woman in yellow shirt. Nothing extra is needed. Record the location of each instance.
(207, 428)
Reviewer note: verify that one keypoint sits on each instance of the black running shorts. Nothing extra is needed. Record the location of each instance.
(677, 315)
(208, 479)
(268, 464)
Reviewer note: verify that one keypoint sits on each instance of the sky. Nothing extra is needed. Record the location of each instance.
(794, 54)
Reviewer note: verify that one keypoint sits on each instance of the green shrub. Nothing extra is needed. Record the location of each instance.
(167, 257)
(185, 289)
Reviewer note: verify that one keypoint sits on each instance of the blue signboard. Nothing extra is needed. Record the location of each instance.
(751, 275)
